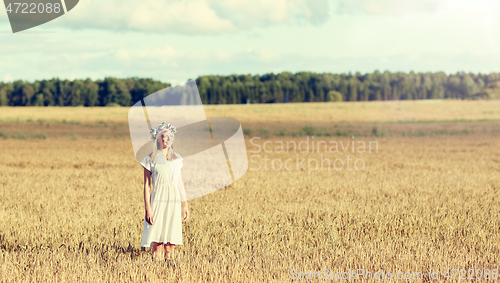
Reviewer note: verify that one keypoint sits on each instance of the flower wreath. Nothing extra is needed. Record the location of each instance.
(160, 128)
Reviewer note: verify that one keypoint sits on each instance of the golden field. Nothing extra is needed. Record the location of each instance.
(381, 111)
(71, 204)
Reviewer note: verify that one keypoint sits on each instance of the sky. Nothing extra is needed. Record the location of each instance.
(173, 41)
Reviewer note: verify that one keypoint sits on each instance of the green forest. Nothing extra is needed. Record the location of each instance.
(267, 88)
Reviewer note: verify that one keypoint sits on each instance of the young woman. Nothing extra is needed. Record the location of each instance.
(166, 207)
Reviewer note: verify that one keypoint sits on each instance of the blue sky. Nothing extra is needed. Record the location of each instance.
(174, 40)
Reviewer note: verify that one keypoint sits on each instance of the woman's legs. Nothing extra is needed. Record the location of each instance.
(157, 250)
(169, 250)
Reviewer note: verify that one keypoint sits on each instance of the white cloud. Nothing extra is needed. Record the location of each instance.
(174, 64)
(169, 57)
(192, 16)
(223, 56)
(162, 52)
(8, 78)
(186, 17)
(122, 54)
(263, 55)
(392, 7)
(250, 13)
(165, 56)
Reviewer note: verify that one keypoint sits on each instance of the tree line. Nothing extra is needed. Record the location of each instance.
(267, 88)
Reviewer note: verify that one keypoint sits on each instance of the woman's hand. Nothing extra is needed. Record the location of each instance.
(149, 216)
(185, 212)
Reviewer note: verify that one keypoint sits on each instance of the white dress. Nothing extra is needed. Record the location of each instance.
(165, 200)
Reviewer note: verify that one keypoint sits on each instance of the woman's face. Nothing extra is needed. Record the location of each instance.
(167, 139)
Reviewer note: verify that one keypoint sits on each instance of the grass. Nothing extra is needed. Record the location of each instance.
(40, 135)
(442, 121)
(19, 136)
(41, 121)
(23, 136)
(389, 216)
(421, 133)
(280, 132)
(264, 133)
(420, 203)
(308, 131)
(247, 131)
(418, 111)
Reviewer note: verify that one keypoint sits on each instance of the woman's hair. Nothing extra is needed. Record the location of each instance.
(158, 145)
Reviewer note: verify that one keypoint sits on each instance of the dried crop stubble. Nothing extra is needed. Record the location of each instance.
(74, 211)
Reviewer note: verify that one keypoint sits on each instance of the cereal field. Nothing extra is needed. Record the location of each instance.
(71, 203)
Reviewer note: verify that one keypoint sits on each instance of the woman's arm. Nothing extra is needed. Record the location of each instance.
(147, 204)
(182, 192)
